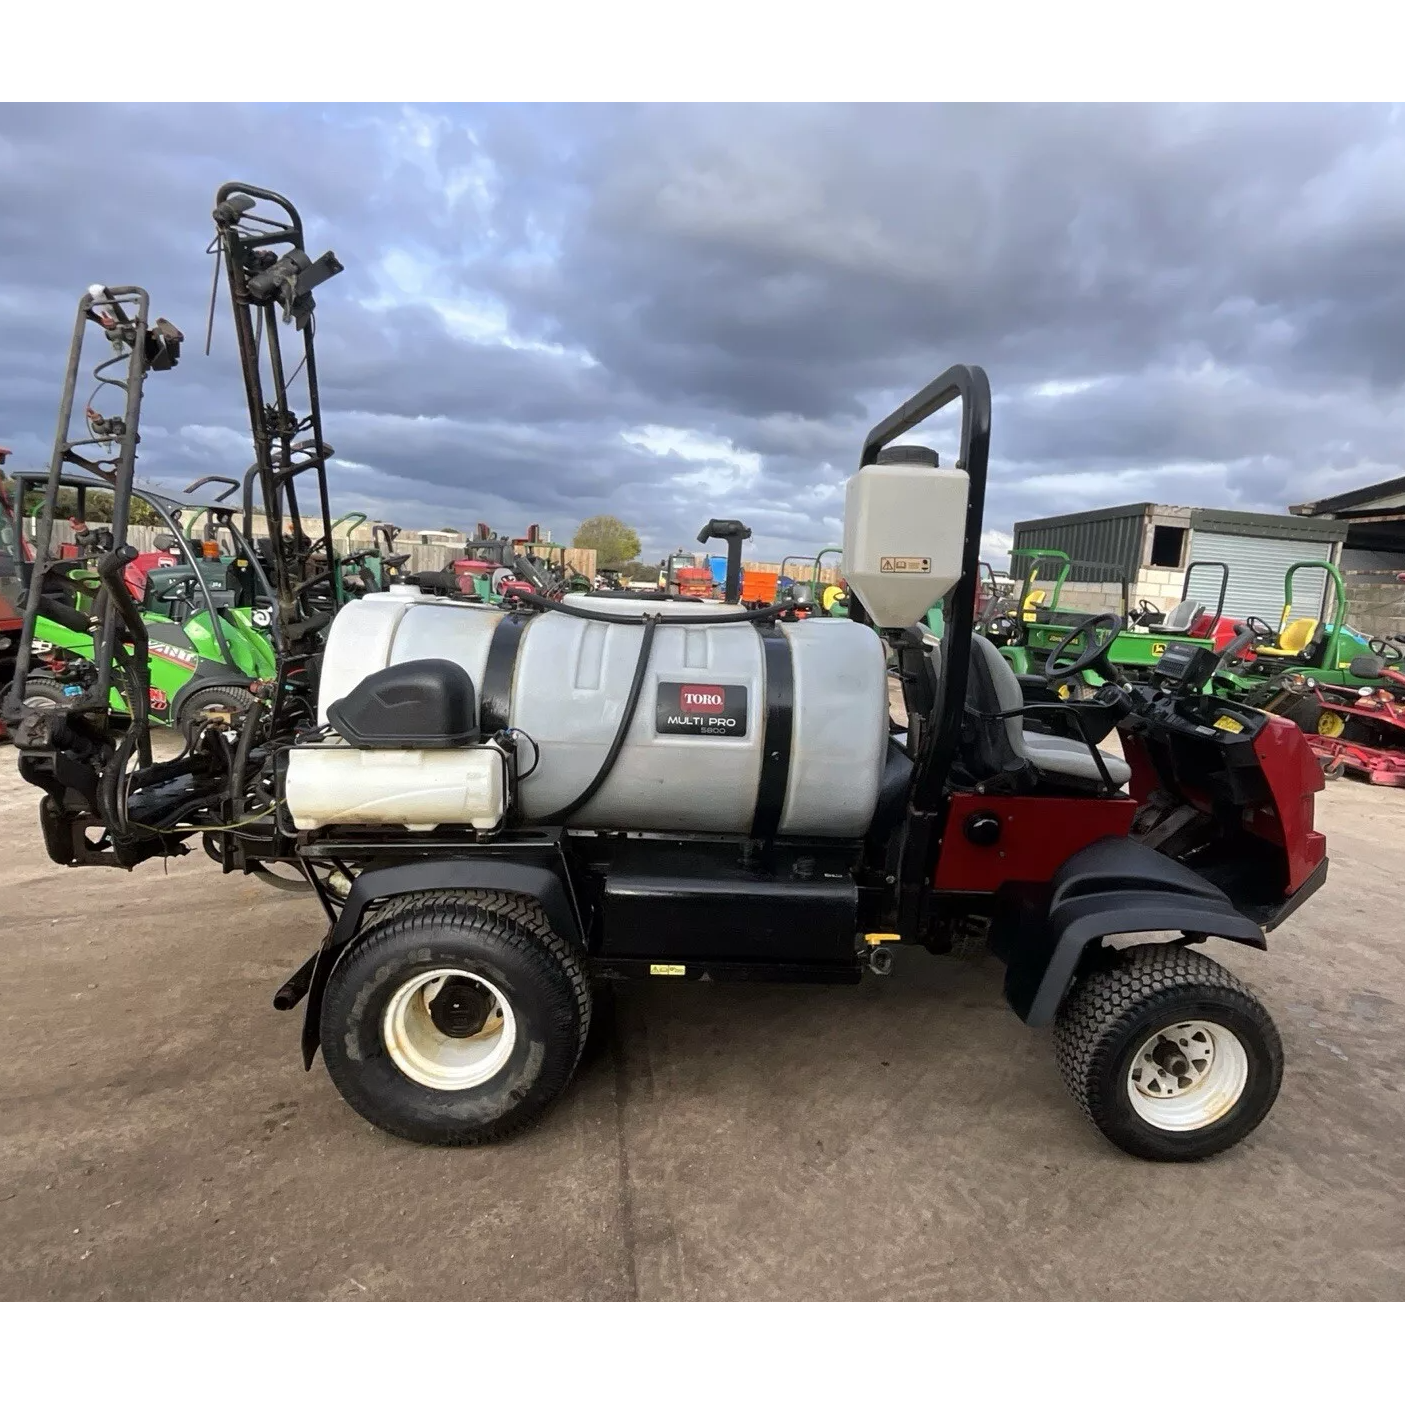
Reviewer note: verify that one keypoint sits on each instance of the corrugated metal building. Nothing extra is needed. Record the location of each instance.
(1151, 545)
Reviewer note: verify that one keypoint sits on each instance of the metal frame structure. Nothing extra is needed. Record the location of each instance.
(269, 272)
(123, 314)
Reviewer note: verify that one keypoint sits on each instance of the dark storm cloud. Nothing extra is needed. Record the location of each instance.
(666, 312)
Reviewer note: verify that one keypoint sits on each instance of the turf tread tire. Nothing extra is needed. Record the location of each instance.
(513, 921)
(240, 700)
(1099, 1021)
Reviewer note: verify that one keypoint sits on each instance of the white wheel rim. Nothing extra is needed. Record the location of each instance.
(428, 1056)
(1187, 1076)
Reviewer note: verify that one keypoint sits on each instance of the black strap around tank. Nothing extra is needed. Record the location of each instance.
(776, 734)
(495, 700)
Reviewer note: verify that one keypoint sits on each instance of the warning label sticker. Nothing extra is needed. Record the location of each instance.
(701, 710)
(905, 565)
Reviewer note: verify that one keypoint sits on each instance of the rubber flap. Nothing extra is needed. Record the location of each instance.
(427, 703)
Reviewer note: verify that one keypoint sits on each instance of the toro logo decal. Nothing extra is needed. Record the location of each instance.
(701, 710)
(692, 698)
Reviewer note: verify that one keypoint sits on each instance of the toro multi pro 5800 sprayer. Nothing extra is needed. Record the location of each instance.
(522, 802)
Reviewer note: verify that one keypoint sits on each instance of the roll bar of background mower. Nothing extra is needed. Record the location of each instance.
(970, 385)
(129, 307)
(215, 478)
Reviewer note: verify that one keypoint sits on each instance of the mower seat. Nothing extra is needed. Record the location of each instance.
(1181, 620)
(1293, 639)
(1058, 759)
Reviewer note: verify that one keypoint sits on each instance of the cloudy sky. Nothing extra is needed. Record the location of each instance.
(674, 312)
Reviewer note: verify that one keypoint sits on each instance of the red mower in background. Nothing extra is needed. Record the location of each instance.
(1356, 731)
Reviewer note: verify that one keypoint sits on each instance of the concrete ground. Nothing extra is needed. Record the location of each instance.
(907, 1138)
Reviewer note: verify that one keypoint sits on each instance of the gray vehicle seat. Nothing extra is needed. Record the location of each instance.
(1055, 757)
(1180, 620)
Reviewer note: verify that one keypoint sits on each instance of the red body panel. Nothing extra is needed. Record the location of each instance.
(1293, 777)
(1037, 834)
(1223, 633)
(136, 573)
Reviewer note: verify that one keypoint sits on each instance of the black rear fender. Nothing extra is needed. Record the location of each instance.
(1113, 886)
(540, 876)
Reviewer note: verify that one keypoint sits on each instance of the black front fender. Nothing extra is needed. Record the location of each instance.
(1112, 886)
(539, 875)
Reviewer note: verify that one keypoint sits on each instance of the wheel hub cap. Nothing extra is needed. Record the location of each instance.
(1187, 1075)
(449, 1029)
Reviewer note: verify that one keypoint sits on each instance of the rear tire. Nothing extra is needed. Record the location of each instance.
(1169, 1055)
(391, 1045)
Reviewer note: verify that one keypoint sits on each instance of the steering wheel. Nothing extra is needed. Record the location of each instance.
(1262, 632)
(1095, 650)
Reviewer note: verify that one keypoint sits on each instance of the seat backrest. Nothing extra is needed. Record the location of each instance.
(1182, 618)
(1295, 637)
(995, 745)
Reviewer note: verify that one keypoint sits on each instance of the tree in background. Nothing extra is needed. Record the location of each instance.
(141, 514)
(612, 541)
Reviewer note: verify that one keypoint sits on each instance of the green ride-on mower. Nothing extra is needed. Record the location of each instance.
(1306, 648)
(832, 597)
(723, 794)
(1039, 620)
(205, 648)
(202, 654)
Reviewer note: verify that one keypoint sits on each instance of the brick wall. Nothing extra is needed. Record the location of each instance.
(1375, 603)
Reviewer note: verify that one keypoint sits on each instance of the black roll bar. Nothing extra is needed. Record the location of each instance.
(215, 478)
(970, 385)
(1224, 586)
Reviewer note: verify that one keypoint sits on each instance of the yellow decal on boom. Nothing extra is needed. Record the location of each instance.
(659, 968)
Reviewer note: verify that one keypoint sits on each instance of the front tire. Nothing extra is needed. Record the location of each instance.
(1169, 1055)
(457, 1019)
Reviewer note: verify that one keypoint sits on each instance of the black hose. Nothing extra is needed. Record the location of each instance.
(544, 602)
(250, 721)
(636, 686)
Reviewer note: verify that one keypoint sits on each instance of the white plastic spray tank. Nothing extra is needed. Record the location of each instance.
(904, 530)
(705, 749)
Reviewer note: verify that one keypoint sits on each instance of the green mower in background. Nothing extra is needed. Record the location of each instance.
(1308, 649)
(205, 649)
(1038, 623)
(833, 597)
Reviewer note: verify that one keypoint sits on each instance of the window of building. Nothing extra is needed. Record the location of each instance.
(1168, 547)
